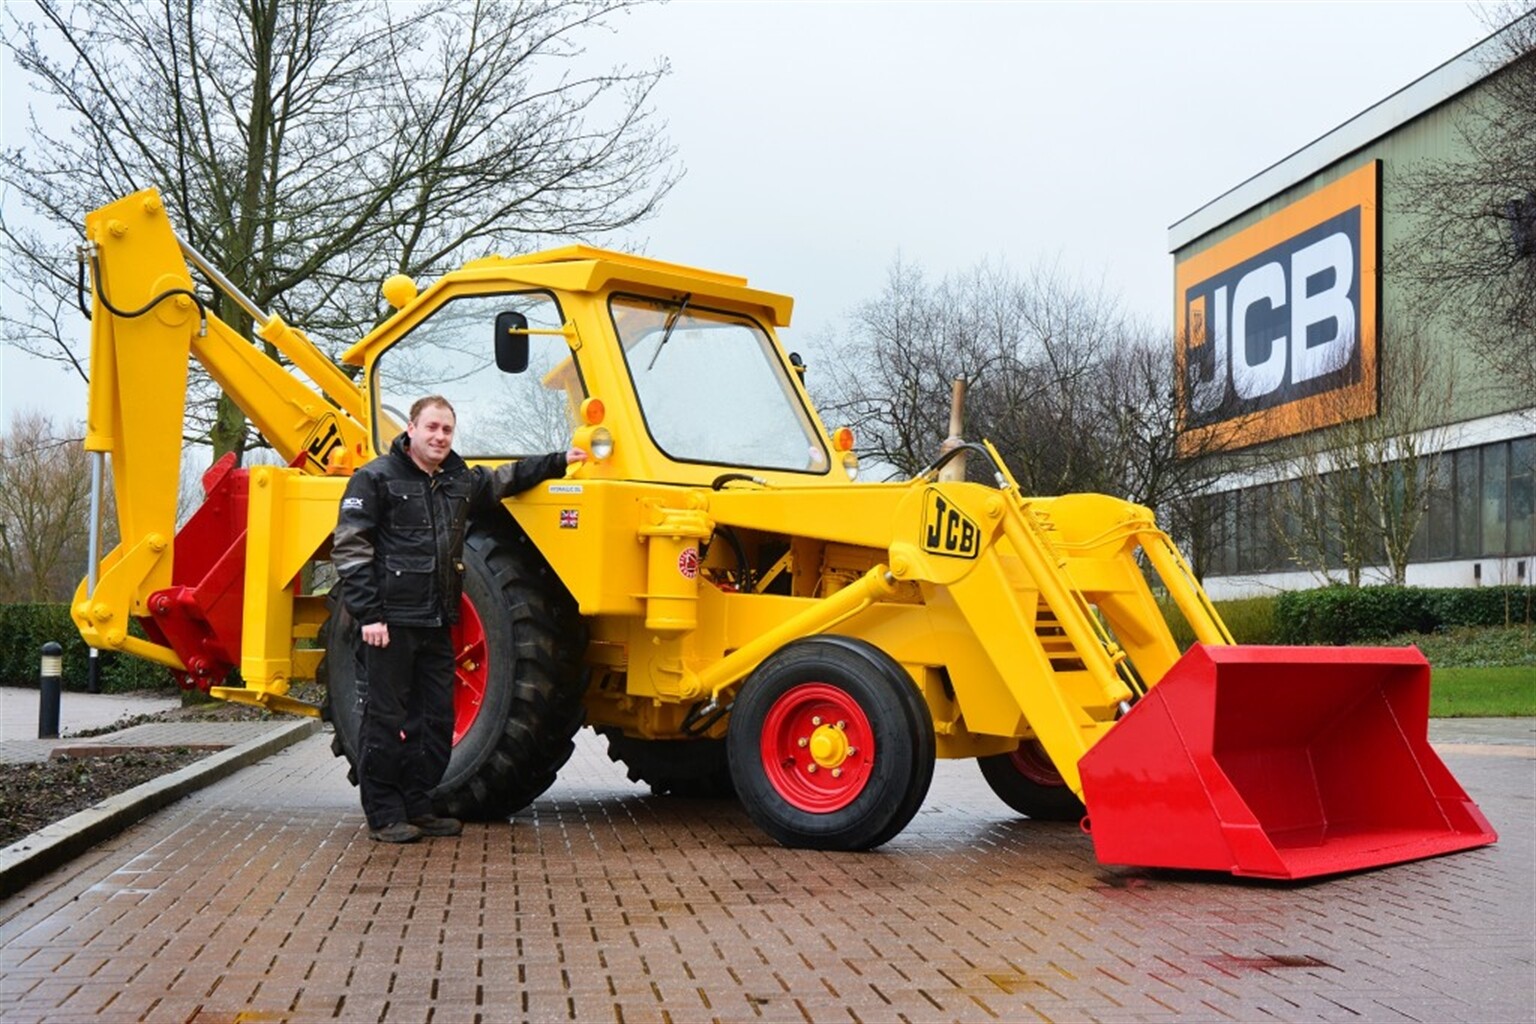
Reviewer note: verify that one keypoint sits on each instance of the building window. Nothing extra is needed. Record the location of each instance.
(1250, 530)
(1228, 557)
(1466, 490)
(1521, 215)
(1442, 508)
(1522, 496)
(1478, 502)
(1495, 511)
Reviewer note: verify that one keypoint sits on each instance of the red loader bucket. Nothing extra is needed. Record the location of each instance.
(1278, 762)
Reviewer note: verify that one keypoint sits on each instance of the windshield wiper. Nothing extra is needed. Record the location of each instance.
(666, 332)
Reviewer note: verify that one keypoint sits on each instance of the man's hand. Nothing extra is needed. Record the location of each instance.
(575, 455)
(376, 634)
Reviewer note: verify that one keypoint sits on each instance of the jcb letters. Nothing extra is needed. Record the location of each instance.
(1277, 324)
(947, 530)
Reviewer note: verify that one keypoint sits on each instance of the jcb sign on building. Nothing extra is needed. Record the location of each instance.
(1277, 325)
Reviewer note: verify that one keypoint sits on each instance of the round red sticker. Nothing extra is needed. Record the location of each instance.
(688, 562)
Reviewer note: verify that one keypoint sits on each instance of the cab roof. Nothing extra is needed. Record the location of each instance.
(584, 268)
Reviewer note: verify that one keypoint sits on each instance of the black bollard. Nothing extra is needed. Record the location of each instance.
(49, 686)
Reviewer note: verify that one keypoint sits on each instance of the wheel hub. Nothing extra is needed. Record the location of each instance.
(818, 746)
(1031, 761)
(829, 745)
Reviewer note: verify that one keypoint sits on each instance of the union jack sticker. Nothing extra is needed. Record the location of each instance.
(570, 518)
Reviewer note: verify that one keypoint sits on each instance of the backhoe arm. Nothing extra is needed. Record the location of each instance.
(147, 323)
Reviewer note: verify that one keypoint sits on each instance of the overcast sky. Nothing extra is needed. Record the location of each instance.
(822, 139)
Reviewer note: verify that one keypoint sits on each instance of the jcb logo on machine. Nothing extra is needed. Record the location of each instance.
(947, 530)
(324, 439)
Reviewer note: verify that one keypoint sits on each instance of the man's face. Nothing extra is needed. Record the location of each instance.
(431, 434)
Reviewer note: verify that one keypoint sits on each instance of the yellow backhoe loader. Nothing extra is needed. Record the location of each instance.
(714, 591)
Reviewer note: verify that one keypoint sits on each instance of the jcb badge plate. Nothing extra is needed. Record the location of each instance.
(947, 530)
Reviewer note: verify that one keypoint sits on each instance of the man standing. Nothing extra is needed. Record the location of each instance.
(399, 549)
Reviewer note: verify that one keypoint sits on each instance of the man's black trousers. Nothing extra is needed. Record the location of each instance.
(407, 732)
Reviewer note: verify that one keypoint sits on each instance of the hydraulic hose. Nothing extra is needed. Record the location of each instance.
(90, 252)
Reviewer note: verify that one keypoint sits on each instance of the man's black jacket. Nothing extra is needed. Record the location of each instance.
(399, 542)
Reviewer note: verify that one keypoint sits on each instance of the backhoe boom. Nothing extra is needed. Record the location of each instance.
(189, 590)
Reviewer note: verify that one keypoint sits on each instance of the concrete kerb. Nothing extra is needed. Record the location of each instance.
(28, 859)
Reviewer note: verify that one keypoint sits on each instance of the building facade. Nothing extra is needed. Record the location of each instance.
(1352, 432)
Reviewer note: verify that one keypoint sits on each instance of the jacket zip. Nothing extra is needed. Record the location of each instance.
(439, 548)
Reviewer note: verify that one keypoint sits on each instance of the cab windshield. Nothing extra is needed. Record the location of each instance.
(712, 388)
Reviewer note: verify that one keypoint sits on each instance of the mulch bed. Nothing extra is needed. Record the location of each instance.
(41, 793)
(35, 795)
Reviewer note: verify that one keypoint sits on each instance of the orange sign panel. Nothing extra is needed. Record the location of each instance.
(1277, 325)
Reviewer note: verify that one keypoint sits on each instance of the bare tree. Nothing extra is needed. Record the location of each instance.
(1075, 396)
(1136, 408)
(1026, 345)
(891, 376)
(44, 505)
(1474, 251)
(310, 148)
(1363, 487)
(1322, 517)
(1039, 402)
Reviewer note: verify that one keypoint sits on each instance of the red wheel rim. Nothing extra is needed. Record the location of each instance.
(1030, 761)
(469, 669)
(817, 748)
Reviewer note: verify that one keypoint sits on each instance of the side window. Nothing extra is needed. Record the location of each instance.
(452, 353)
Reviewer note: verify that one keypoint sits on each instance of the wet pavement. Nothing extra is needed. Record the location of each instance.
(228, 747)
(260, 898)
(78, 712)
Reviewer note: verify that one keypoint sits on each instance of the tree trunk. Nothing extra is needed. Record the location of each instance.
(228, 433)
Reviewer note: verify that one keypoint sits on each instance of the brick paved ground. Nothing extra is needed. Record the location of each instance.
(261, 899)
(77, 712)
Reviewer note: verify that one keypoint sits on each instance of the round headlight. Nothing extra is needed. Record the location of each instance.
(851, 465)
(602, 443)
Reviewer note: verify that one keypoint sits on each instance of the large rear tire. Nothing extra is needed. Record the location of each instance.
(831, 746)
(1026, 780)
(696, 769)
(518, 683)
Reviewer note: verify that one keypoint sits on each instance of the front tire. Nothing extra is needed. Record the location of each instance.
(518, 682)
(830, 745)
(1026, 780)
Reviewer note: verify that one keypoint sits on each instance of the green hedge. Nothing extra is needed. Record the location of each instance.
(1251, 620)
(1345, 615)
(24, 628)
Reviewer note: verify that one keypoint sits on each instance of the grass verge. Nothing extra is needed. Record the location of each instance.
(1486, 692)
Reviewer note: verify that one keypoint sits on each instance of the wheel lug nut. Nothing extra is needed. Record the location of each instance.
(815, 719)
(802, 741)
(852, 751)
(811, 768)
(841, 724)
(837, 773)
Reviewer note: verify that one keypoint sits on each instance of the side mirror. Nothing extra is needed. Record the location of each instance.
(511, 342)
(798, 364)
